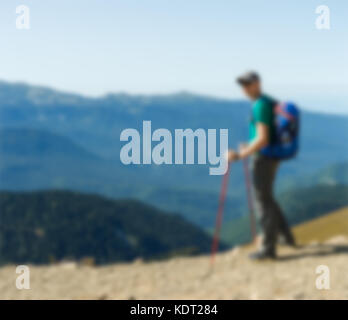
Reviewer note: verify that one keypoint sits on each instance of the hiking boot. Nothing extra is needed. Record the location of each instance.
(262, 255)
(287, 241)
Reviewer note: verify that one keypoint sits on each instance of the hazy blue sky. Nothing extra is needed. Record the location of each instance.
(160, 46)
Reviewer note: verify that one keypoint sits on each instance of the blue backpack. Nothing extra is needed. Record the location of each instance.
(285, 143)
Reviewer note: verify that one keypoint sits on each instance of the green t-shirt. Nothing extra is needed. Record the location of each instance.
(262, 111)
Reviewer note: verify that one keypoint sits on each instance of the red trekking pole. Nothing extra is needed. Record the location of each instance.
(219, 214)
(250, 199)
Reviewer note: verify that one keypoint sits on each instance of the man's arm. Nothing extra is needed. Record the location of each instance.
(261, 141)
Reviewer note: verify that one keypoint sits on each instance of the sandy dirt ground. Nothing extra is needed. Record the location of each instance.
(292, 276)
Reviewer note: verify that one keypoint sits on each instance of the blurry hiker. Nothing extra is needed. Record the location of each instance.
(264, 167)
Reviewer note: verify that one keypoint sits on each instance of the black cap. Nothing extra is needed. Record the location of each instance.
(248, 78)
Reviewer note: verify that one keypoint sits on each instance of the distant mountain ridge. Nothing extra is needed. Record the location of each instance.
(13, 94)
(95, 124)
(39, 143)
(331, 175)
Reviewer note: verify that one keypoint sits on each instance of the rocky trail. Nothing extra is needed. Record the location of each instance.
(292, 276)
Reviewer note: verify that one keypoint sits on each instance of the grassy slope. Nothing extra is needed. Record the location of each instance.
(323, 228)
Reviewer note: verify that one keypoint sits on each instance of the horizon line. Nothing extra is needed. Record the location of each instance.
(181, 92)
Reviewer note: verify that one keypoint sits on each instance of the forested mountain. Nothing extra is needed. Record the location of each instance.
(49, 226)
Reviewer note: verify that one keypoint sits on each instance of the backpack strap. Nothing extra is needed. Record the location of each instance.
(279, 109)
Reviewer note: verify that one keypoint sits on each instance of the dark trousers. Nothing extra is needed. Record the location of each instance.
(271, 217)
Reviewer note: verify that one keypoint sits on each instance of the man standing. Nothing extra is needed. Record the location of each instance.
(262, 131)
